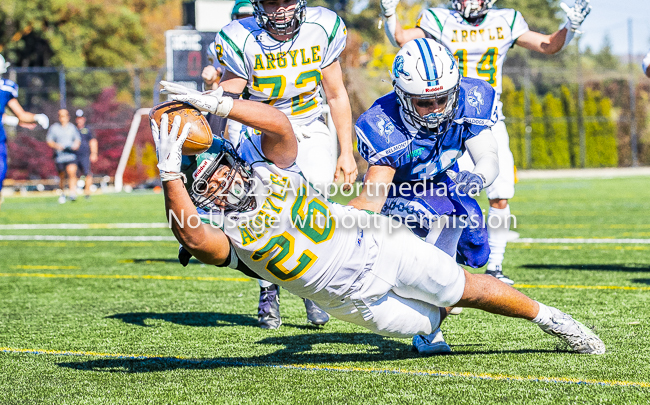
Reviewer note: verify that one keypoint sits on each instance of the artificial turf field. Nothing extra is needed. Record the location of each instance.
(87, 321)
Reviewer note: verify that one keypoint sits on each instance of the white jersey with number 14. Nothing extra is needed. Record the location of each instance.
(480, 50)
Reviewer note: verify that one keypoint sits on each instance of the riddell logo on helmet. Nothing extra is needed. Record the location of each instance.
(430, 89)
(200, 169)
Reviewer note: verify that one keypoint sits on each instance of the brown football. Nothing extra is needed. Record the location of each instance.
(200, 136)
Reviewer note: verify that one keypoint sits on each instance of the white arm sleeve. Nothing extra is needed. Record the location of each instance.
(389, 27)
(483, 150)
(569, 34)
(10, 120)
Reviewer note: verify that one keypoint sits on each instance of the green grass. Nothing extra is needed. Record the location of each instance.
(199, 341)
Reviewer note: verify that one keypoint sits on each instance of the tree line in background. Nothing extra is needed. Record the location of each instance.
(130, 34)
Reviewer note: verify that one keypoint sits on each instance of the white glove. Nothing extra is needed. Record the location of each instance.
(42, 120)
(169, 146)
(388, 7)
(576, 14)
(211, 101)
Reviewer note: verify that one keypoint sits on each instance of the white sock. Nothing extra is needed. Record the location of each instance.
(544, 316)
(498, 225)
(264, 283)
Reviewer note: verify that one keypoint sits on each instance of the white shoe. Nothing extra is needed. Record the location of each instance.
(580, 338)
(62, 199)
(455, 311)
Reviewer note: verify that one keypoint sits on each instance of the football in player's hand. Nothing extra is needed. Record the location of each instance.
(200, 136)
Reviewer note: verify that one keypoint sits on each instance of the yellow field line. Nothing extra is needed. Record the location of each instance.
(121, 276)
(311, 367)
(583, 287)
(28, 267)
(243, 279)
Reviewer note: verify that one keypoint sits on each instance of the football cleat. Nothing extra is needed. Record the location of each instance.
(431, 344)
(268, 312)
(315, 315)
(579, 338)
(498, 274)
(62, 199)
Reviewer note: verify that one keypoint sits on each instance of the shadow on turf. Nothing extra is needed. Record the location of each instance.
(596, 267)
(296, 350)
(201, 319)
(207, 319)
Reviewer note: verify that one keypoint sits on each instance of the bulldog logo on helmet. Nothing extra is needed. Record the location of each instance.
(398, 67)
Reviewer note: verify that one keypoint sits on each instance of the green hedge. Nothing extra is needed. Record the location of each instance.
(555, 139)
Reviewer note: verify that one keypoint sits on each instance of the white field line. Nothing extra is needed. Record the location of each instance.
(582, 240)
(147, 225)
(59, 238)
(100, 238)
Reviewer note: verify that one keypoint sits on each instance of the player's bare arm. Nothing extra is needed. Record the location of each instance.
(231, 83)
(547, 44)
(341, 113)
(551, 44)
(375, 188)
(208, 244)
(279, 143)
(27, 117)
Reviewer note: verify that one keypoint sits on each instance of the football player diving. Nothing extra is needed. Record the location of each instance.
(364, 268)
(480, 37)
(412, 138)
(283, 56)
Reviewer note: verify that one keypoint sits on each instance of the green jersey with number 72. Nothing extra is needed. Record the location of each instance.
(285, 74)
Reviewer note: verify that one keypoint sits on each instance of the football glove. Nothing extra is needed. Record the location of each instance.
(388, 7)
(42, 120)
(467, 183)
(576, 14)
(210, 101)
(169, 146)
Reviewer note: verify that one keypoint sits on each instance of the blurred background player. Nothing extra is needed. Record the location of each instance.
(64, 138)
(480, 37)
(87, 152)
(646, 65)
(284, 56)
(9, 98)
(212, 74)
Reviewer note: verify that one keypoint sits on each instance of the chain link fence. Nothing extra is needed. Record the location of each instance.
(556, 118)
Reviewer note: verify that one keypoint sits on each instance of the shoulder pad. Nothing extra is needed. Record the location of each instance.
(476, 100)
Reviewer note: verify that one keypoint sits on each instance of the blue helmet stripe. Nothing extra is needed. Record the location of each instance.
(429, 63)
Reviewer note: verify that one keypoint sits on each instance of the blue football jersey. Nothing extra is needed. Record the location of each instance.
(385, 138)
(8, 90)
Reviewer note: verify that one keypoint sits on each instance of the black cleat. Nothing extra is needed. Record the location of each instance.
(268, 312)
(498, 274)
(315, 315)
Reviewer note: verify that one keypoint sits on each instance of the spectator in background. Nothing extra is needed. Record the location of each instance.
(64, 138)
(87, 152)
(8, 98)
(646, 65)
